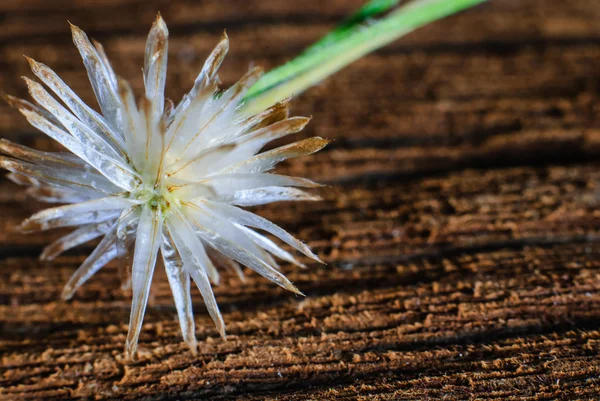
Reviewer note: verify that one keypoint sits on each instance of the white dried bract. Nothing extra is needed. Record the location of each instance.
(160, 176)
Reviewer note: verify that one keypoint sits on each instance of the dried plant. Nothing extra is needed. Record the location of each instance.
(171, 178)
(155, 176)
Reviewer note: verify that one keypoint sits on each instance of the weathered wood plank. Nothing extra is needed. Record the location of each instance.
(461, 225)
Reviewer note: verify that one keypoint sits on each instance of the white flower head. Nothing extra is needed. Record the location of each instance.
(158, 177)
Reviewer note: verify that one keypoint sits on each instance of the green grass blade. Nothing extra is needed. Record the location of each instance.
(343, 48)
(306, 60)
(370, 10)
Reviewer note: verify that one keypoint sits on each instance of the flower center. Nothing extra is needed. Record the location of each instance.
(155, 198)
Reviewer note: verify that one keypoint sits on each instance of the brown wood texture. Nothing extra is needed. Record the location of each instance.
(461, 226)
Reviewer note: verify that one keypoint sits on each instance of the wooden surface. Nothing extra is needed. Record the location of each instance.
(461, 227)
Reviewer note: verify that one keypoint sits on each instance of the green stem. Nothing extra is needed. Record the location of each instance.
(343, 46)
(367, 12)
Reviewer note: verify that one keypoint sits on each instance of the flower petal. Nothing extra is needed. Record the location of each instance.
(48, 159)
(76, 128)
(266, 161)
(243, 217)
(104, 253)
(51, 194)
(86, 114)
(228, 184)
(277, 112)
(108, 167)
(215, 125)
(21, 104)
(105, 62)
(195, 263)
(75, 238)
(256, 139)
(270, 246)
(155, 67)
(77, 179)
(212, 160)
(179, 280)
(221, 235)
(133, 126)
(94, 211)
(102, 80)
(147, 243)
(206, 77)
(261, 196)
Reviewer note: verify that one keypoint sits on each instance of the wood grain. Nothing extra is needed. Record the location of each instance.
(460, 224)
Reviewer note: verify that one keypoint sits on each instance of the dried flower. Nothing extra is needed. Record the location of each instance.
(160, 176)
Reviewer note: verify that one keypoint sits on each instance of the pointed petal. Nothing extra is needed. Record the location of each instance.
(194, 261)
(211, 270)
(218, 232)
(21, 104)
(155, 67)
(76, 128)
(127, 223)
(279, 111)
(207, 75)
(86, 114)
(105, 62)
(266, 161)
(134, 126)
(94, 211)
(270, 246)
(104, 253)
(213, 62)
(262, 196)
(203, 165)
(212, 160)
(207, 264)
(48, 159)
(243, 217)
(51, 194)
(102, 81)
(214, 125)
(146, 249)
(114, 171)
(228, 184)
(89, 183)
(153, 156)
(75, 238)
(255, 140)
(179, 280)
